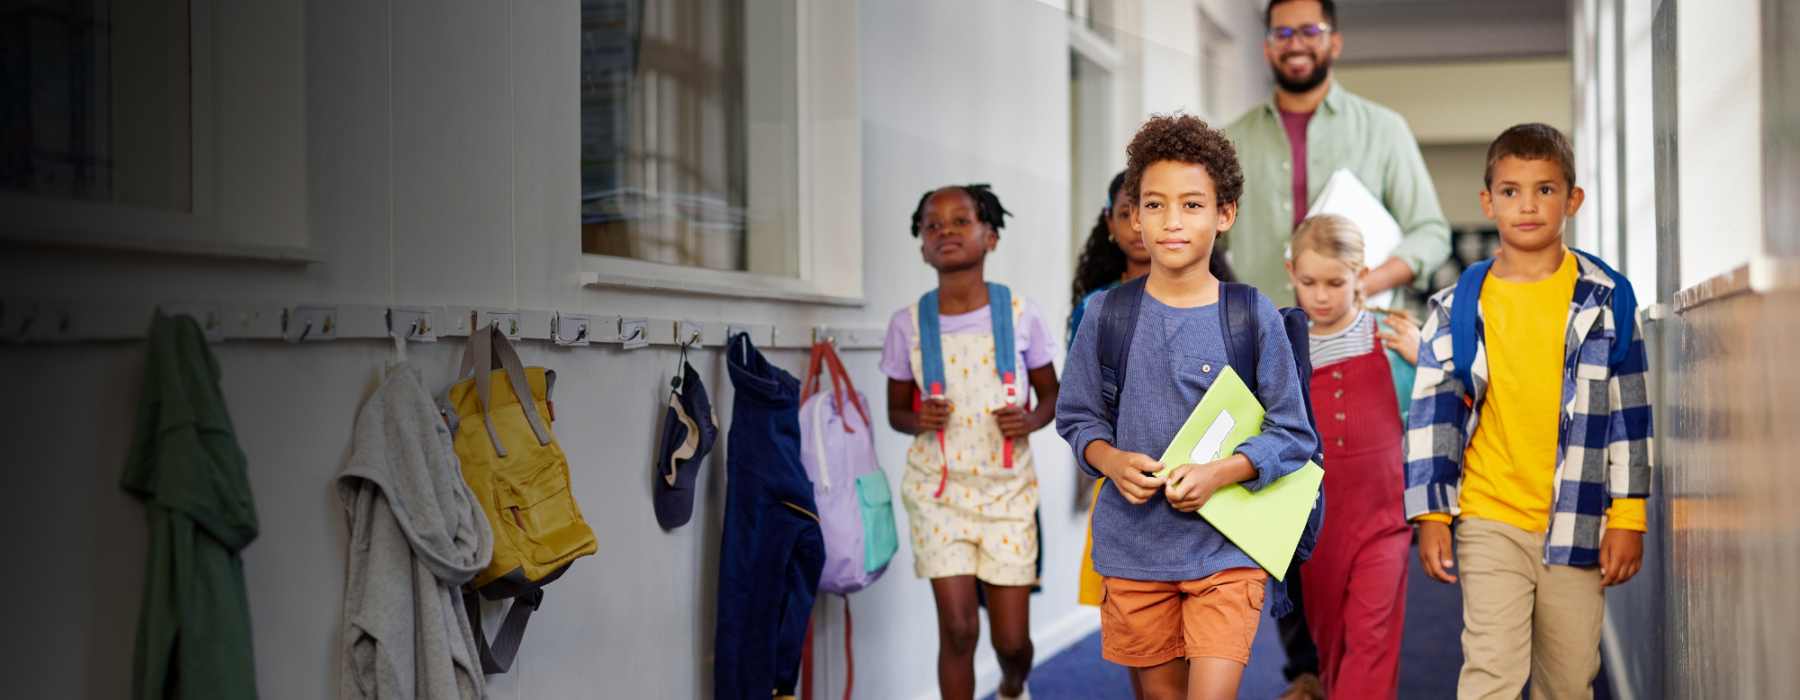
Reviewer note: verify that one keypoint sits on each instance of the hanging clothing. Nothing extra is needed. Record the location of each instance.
(1356, 581)
(969, 513)
(417, 534)
(772, 551)
(193, 635)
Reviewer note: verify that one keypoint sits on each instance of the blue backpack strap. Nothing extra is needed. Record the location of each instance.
(1237, 324)
(1118, 323)
(931, 348)
(1464, 314)
(1000, 308)
(1624, 310)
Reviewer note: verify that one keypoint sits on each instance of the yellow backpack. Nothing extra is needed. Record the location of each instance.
(521, 477)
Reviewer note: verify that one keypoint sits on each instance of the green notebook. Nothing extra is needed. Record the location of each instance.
(1266, 524)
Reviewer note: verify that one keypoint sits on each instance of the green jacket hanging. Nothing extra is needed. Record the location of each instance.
(193, 636)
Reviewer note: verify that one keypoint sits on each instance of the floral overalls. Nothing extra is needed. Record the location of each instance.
(970, 514)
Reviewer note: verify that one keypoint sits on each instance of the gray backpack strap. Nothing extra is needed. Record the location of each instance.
(485, 346)
(515, 374)
(499, 657)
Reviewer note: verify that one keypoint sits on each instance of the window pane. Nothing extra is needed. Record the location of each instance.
(1091, 155)
(70, 70)
(667, 159)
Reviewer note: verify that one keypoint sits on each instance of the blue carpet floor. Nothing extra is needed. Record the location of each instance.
(1430, 656)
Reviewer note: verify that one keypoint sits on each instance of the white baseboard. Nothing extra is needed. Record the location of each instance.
(1062, 634)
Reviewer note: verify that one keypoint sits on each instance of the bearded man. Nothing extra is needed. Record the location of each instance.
(1310, 128)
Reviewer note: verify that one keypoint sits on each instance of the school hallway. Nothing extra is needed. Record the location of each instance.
(306, 223)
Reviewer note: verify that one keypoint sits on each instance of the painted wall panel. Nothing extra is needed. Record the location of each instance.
(453, 188)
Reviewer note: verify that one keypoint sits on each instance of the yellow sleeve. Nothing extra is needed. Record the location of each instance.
(1445, 517)
(1626, 514)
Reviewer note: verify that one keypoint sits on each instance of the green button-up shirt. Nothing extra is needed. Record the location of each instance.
(1347, 131)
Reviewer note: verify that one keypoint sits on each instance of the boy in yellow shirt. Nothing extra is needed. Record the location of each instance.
(1546, 478)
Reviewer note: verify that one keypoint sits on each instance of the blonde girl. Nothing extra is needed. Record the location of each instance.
(1355, 589)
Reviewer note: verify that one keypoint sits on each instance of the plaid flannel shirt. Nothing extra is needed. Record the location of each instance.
(1603, 440)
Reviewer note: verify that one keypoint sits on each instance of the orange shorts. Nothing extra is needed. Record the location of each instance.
(1148, 623)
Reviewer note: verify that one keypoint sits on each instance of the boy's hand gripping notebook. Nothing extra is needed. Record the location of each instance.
(1266, 524)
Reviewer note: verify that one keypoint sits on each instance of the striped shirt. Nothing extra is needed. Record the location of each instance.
(1356, 339)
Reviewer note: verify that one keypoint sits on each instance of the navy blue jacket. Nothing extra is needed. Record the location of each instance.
(772, 551)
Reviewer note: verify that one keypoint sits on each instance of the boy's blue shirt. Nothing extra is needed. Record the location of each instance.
(1175, 356)
(1603, 438)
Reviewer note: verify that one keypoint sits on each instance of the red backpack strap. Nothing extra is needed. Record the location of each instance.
(849, 658)
(806, 659)
(810, 383)
(806, 664)
(838, 372)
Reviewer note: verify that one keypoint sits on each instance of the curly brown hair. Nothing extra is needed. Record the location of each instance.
(1184, 138)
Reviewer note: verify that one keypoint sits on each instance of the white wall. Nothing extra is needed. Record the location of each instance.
(1465, 102)
(1173, 75)
(441, 169)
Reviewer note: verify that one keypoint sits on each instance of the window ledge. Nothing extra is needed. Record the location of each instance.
(1763, 274)
(287, 254)
(609, 272)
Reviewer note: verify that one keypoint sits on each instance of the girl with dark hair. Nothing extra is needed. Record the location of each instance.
(1115, 254)
(962, 365)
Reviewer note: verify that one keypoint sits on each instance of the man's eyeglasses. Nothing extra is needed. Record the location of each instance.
(1306, 32)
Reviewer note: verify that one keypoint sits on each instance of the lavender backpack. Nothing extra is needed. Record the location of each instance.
(837, 447)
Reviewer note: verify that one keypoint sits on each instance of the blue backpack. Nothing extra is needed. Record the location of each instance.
(1465, 318)
(1237, 324)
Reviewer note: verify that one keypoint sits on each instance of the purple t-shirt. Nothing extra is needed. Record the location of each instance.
(1032, 338)
(1295, 125)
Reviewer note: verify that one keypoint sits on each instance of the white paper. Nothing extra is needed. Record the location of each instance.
(1210, 445)
(1345, 196)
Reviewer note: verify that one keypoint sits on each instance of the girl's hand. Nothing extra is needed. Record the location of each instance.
(1013, 422)
(934, 414)
(1404, 338)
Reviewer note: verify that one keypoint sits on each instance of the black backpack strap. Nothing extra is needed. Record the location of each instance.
(1237, 324)
(499, 658)
(1118, 323)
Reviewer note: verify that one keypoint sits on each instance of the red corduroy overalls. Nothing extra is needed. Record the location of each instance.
(1356, 581)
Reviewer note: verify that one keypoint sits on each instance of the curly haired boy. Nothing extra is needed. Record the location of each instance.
(1181, 602)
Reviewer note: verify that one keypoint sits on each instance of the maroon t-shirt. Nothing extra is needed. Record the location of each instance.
(1295, 124)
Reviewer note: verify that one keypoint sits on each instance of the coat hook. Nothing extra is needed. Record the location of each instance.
(287, 317)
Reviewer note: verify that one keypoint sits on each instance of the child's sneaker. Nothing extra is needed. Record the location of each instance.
(1305, 687)
(1024, 694)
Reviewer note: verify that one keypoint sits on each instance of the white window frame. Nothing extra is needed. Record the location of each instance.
(1108, 56)
(829, 235)
(262, 214)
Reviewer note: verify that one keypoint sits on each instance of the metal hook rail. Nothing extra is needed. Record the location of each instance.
(39, 321)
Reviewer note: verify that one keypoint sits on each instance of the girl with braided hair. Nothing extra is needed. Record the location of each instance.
(958, 363)
(1115, 254)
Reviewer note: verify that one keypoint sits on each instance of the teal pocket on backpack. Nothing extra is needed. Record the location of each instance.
(880, 539)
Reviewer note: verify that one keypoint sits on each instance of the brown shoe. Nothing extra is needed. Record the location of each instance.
(1305, 687)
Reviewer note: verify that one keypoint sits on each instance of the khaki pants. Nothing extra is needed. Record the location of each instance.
(1520, 615)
